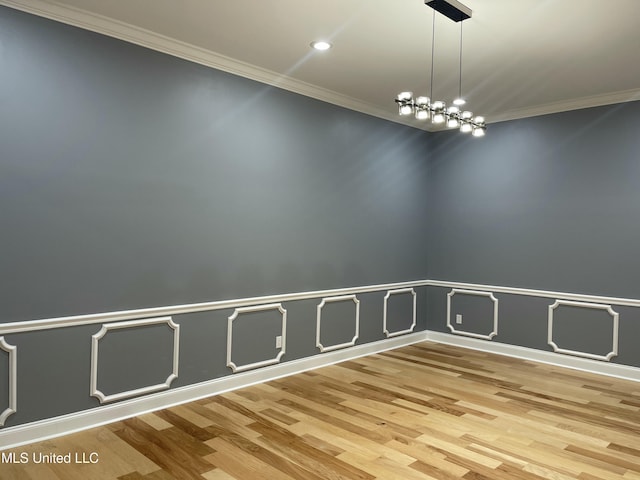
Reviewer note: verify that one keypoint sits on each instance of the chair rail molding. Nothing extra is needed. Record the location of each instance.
(122, 315)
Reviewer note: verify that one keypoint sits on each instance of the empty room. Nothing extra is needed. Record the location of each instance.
(291, 239)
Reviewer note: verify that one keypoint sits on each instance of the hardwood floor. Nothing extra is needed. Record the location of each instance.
(426, 411)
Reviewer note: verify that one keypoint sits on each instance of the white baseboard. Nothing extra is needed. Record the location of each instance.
(624, 372)
(54, 427)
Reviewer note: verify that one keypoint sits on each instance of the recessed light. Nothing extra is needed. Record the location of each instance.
(321, 45)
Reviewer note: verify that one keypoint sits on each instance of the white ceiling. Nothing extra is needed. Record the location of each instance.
(520, 57)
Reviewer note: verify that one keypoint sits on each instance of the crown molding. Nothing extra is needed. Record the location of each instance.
(610, 98)
(129, 33)
(154, 41)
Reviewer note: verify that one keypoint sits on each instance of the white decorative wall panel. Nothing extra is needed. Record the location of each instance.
(259, 308)
(95, 344)
(31, 431)
(489, 295)
(319, 320)
(596, 306)
(12, 407)
(399, 291)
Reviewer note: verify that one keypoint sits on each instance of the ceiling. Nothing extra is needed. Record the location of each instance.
(520, 57)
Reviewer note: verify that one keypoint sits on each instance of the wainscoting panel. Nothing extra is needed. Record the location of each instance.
(595, 327)
(475, 312)
(328, 307)
(257, 315)
(256, 334)
(136, 351)
(601, 320)
(399, 315)
(56, 426)
(60, 356)
(12, 378)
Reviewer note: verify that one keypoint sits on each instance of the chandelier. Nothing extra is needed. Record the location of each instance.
(425, 108)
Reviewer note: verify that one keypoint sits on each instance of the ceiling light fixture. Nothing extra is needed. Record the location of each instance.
(321, 45)
(424, 108)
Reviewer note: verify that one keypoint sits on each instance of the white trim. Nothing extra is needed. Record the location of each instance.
(493, 333)
(385, 330)
(71, 321)
(258, 308)
(27, 433)
(176, 48)
(611, 98)
(530, 292)
(319, 318)
(95, 339)
(597, 367)
(12, 437)
(12, 407)
(595, 306)
(160, 43)
(16, 436)
(61, 322)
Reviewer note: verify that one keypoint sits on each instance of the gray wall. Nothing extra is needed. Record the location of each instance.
(132, 179)
(549, 203)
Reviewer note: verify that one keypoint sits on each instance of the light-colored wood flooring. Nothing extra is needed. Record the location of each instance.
(426, 411)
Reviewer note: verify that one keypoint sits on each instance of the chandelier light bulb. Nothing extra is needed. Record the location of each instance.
(422, 114)
(478, 131)
(466, 127)
(453, 114)
(405, 103)
(459, 101)
(479, 127)
(438, 108)
(466, 119)
(406, 109)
